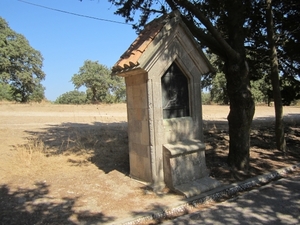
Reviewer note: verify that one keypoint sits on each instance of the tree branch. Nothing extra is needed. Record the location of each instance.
(204, 38)
(229, 51)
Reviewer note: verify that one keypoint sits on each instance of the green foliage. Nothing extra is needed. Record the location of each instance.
(72, 97)
(290, 90)
(287, 42)
(218, 90)
(5, 92)
(216, 82)
(38, 93)
(259, 90)
(206, 98)
(20, 64)
(101, 86)
(118, 89)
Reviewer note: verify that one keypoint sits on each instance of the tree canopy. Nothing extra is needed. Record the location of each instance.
(20, 66)
(101, 86)
(72, 97)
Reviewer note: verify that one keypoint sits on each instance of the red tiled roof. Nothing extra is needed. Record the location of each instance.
(130, 58)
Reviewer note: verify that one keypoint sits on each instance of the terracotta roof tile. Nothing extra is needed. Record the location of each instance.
(130, 58)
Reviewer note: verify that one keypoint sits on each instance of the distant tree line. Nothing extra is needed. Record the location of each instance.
(215, 90)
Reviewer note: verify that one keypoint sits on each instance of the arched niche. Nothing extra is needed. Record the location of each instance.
(175, 93)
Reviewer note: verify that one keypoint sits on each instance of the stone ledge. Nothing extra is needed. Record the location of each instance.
(197, 187)
(184, 147)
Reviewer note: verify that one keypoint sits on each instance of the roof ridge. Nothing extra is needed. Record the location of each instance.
(130, 57)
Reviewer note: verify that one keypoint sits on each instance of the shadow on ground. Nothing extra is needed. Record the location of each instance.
(35, 206)
(103, 144)
(106, 145)
(277, 203)
(264, 156)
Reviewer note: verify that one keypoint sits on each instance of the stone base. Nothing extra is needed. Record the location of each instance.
(185, 169)
(197, 187)
(184, 161)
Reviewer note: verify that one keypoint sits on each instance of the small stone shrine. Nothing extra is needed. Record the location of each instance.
(162, 70)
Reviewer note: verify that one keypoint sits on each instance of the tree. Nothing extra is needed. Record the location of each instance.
(97, 79)
(287, 37)
(271, 37)
(216, 82)
(72, 97)
(118, 89)
(260, 89)
(5, 92)
(279, 125)
(218, 89)
(38, 93)
(20, 64)
(206, 98)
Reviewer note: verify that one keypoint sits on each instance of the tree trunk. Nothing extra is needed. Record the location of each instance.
(238, 87)
(241, 113)
(279, 125)
(94, 93)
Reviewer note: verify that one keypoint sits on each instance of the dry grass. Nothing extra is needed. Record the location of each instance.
(31, 153)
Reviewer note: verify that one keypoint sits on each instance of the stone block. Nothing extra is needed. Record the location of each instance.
(144, 100)
(141, 150)
(145, 133)
(177, 129)
(140, 79)
(140, 167)
(184, 161)
(185, 169)
(129, 97)
(136, 126)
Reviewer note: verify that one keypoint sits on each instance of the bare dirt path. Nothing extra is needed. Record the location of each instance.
(62, 164)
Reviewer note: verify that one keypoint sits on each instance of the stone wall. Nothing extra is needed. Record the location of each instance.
(138, 127)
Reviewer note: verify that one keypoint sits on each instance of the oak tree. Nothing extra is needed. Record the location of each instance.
(101, 86)
(20, 65)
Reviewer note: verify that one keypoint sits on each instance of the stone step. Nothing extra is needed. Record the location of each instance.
(197, 187)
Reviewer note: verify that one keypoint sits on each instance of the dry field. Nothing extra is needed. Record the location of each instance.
(64, 164)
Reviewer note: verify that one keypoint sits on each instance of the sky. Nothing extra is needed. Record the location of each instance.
(65, 40)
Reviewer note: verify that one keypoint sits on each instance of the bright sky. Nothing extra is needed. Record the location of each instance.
(65, 40)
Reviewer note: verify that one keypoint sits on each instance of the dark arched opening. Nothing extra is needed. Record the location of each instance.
(175, 93)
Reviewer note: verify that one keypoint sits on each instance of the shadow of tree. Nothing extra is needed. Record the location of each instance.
(276, 203)
(264, 156)
(35, 206)
(103, 144)
(106, 145)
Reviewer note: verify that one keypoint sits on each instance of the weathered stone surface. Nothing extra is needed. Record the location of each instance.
(177, 129)
(170, 46)
(197, 187)
(184, 162)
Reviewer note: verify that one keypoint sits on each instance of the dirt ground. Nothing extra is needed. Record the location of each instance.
(65, 164)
